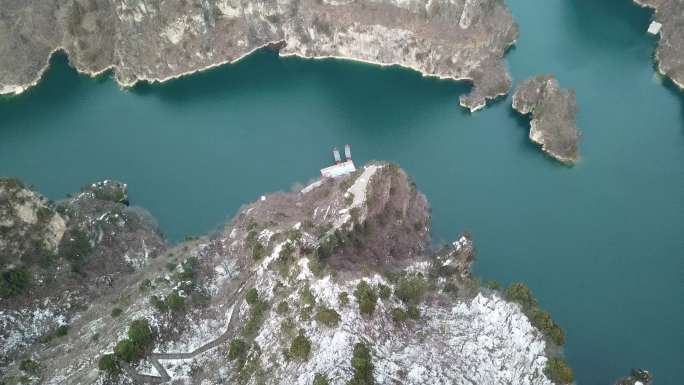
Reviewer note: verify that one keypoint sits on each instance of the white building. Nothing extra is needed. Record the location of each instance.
(340, 168)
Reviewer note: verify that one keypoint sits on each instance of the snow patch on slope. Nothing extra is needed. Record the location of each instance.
(483, 341)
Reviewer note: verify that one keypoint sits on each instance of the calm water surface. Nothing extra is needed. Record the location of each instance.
(601, 244)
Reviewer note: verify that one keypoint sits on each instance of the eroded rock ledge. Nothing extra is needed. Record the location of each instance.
(553, 113)
(670, 52)
(156, 41)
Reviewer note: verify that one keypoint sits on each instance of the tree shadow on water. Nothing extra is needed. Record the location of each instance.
(358, 91)
(366, 94)
(360, 95)
(607, 22)
(261, 69)
(678, 94)
(523, 125)
(60, 86)
(522, 122)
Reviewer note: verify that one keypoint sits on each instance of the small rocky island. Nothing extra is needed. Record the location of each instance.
(637, 377)
(157, 41)
(552, 111)
(335, 284)
(670, 52)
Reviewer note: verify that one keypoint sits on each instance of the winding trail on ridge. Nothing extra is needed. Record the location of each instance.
(156, 357)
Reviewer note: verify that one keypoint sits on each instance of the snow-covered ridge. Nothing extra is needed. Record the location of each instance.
(279, 248)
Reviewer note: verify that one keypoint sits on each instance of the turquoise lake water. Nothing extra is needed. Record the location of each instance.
(601, 244)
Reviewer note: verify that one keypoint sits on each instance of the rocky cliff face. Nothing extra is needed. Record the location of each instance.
(30, 225)
(55, 258)
(159, 40)
(552, 111)
(670, 52)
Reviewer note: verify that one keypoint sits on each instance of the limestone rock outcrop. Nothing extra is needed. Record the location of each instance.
(160, 40)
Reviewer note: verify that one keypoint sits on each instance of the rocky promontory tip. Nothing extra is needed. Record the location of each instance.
(553, 113)
(670, 52)
(157, 41)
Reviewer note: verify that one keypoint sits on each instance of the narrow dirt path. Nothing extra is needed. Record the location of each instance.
(223, 338)
(156, 357)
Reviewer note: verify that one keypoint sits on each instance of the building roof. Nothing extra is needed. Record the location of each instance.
(338, 169)
(654, 28)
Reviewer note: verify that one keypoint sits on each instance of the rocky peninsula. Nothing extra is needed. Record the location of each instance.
(552, 111)
(157, 41)
(335, 284)
(670, 52)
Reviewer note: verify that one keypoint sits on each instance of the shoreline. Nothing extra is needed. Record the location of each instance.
(16, 90)
(656, 55)
(551, 113)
